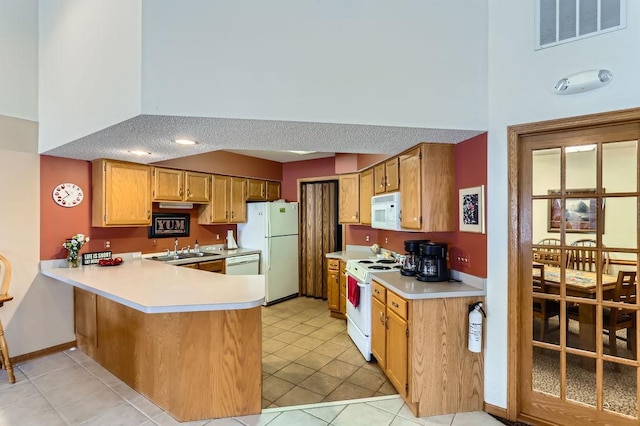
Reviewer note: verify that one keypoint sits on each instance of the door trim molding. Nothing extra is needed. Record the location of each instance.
(515, 134)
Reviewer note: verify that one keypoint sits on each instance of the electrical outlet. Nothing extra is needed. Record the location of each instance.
(217, 236)
(107, 244)
(386, 240)
(366, 238)
(463, 260)
(155, 243)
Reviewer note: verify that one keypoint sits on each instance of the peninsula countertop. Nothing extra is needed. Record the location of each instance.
(156, 287)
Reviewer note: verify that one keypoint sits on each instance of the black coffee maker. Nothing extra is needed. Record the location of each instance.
(432, 262)
(410, 262)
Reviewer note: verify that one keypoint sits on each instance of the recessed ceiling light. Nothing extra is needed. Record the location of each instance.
(185, 142)
(301, 152)
(138, 152)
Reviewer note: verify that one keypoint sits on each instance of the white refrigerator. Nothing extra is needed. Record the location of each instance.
(272, 228)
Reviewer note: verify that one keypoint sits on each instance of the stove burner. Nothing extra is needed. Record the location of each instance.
(365, 261)
(386, 261)
(379, 267)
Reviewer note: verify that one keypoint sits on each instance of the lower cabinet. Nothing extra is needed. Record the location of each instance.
(85, 319)
(336, 288)
(421, 345)
(209, 266)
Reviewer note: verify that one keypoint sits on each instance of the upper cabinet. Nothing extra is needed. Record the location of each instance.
(121, 194)
(366, 192)
(262, 190)
(197, 187)
(386, 176)
(228, 201)
(273, 190)
(427, 188)
(179, 185)
(349, 204)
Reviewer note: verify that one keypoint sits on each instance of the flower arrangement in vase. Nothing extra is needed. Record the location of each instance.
(74, 244)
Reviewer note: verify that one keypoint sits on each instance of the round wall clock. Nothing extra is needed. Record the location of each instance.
(68, 194)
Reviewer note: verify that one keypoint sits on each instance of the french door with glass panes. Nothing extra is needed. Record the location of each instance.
(579, 208)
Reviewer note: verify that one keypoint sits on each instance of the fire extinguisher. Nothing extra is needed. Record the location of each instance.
(475, 326)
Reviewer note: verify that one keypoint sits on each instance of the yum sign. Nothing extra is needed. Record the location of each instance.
(169, 225)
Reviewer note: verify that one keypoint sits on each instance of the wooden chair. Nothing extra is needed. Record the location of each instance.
(550, 255)
(543, 309)
(615, 319)
(5, 278)
(582, 256)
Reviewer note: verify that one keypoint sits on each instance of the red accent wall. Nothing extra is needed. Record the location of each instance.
(346, 163)
(59, 223)
(295, 170)
(228, 163)
(470, 170)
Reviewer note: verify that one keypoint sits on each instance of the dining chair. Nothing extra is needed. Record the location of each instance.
(582, 256)
(615, 319)
(543, 309)
(5, 278)
(549, 255)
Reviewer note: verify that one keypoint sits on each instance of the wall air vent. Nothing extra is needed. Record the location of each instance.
(562, 21)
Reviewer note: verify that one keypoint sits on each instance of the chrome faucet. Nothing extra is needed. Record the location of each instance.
(175, 247)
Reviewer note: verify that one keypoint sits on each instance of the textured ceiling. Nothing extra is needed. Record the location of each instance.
(261, 138)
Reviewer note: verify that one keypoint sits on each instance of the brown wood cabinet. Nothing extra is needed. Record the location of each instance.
(256, 190)
(180, 360)
(333, 286)
(212, 266)
(237, 200)
(121, 194)
(85, 321)
(262, 190)
(386, 176)
(427, 188)
(366, 192)
(343, 289)
(228, 201)
(349, 200)
(273, 190)
(408, 336)
(180, 185)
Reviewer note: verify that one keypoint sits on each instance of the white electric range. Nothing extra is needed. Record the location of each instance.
(359, 317)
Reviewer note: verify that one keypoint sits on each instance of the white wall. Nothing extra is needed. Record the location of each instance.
(41, 312)
(520, 91)
(402, 63)
(90, 67)
(19, 53)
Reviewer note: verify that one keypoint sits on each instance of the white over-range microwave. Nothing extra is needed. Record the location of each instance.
(385, 211)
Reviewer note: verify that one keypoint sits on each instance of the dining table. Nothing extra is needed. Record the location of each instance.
(580, 284)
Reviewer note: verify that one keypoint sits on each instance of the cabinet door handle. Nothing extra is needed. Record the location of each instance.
(188, 192)
(226, 214)
(181, 192)
(400, 216)
(148, 214)
(357, 214)
(376, 291)
(395, 305)
(382, 317)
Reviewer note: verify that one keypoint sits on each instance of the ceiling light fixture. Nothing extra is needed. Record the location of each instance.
(302, 152)
(583, 81)
(580, 148)
(140, 153)
(185, 142)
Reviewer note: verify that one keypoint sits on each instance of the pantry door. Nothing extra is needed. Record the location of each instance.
(575, 218)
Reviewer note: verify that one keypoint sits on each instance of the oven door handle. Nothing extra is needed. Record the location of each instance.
(362, 285)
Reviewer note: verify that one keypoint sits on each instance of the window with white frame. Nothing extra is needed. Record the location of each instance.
(562, 21)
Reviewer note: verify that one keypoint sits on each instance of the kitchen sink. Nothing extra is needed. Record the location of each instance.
(180, 256)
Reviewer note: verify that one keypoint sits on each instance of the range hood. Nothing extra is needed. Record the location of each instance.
(175, 205)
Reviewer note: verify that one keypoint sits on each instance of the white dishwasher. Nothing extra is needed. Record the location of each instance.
(245, 264)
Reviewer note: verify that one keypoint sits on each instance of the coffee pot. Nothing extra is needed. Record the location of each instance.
(410, 261)
(432, 262)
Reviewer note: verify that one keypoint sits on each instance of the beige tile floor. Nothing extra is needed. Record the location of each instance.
(69, 388)
(308, 357)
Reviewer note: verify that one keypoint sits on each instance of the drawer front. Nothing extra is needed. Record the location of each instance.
(397, 304)
(379, 291)
(333, 264)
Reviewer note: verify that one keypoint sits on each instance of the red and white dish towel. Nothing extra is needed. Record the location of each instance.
(353, 291)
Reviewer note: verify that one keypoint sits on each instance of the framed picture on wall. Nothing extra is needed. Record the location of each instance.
(472, 209)
(580, 213)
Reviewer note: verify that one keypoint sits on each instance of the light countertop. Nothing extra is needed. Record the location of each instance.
(412, 289)
(156, 287)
